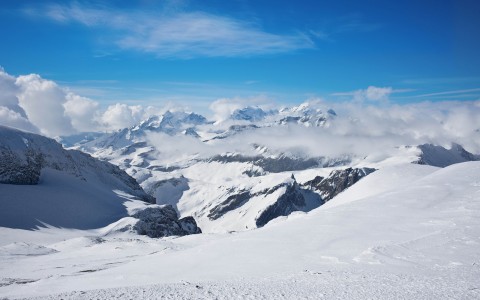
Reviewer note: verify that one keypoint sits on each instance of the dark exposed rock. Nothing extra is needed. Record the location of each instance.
(15, 170)
(191, 132)
(295, 198)
(189, 225)
(305, 197)
(132, 148)
(337, 181)
(164, 168)
(253, 173)
(232, 202)
(289, 119)
(162, 221)
(283, 163)
(233, 130)
(292, 200)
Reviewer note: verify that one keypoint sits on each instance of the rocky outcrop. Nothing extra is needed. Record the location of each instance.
(294, 199)
(283, 163)
(337, 181)
(232, 202)
(19, 170)
(162, 221)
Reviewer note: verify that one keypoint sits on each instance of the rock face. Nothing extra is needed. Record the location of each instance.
(24, 155)
(232, 202)
(294, 199)
(289, 196)
(337, 181)
(162, 221)
(14, 170)
(283, 163)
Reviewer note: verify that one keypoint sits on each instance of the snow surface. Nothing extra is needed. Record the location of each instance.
(73, 190)
(409, 232)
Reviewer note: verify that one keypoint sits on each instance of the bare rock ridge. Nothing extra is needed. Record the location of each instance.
(312, 194)
(294, 196)
(283, 163)
(337, 181)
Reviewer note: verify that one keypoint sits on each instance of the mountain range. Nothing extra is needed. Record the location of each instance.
(247, 189)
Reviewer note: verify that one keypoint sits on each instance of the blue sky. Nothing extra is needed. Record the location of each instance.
(150, 52)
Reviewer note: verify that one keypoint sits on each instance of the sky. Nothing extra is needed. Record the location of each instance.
(144, 52)
(74, 66)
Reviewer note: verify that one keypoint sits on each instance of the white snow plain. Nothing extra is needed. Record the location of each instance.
(405, 232)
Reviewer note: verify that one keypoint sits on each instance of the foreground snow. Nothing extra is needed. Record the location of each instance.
(411, 231)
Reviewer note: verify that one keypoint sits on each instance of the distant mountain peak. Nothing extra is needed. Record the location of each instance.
(249, 113)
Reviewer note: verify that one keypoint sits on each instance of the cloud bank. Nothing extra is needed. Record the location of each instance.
(32, 103)
(359, 129)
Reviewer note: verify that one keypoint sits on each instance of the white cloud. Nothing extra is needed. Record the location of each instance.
(8, 94)
(43, 101)
(223, 108)
(119, 116)
(181, 35)
(16, 120)
(83, 112)
(372, 93)
(456, 92)
(35, 104)
(360, 129)
(32, 103)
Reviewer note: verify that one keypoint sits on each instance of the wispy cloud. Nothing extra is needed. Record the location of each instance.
(455, 92)
(178, 35)
(372, 93)
(352, 23)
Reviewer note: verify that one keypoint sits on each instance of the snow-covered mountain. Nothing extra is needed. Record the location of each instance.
(306, 115)
(249, 113)
(223, 176)
(272, 201)
(171, 123)
(42, 184)
(438, 156)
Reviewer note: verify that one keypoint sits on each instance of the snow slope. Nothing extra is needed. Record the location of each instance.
(417, 237)
(42, 183)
